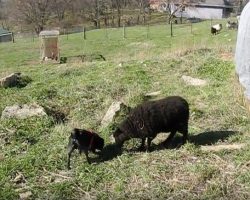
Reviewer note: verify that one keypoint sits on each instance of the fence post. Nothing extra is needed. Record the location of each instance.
(171, 28)
(13, 38)
(191, 27)
(106, 32)
(124, 32)
(147, 31)
(84, 33)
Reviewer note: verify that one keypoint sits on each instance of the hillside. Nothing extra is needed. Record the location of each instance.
(33, 154)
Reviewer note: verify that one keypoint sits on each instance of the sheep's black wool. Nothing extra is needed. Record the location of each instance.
(170, 114)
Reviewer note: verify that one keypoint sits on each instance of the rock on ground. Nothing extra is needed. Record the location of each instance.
(23, 111)
(194, 81)
(153, 94)
(25, 195)
(15, 80)
(10, 81)
(112, 112)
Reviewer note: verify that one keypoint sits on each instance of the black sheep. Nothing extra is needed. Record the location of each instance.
(170, 114)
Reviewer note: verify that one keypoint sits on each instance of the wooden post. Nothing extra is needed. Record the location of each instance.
(84, 33)
(13, 38)
(171, 28)
(106, 33)
(191, 27)
(147, 31)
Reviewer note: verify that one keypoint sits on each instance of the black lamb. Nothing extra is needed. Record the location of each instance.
(170, 114)
(84, 141)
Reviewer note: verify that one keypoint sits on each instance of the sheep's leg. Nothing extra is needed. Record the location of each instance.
(184, 131)
(149, 143)
(170, 137)
(142, 147)
(185, 136)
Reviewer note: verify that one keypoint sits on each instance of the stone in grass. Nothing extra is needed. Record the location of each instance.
(15, 80)
(24, 111)
(153, 94)
(19, 179)
(10, 80)
(112, 112)
(194, 81)
(25, 195)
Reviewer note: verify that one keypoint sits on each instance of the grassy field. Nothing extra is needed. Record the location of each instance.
(33, 152)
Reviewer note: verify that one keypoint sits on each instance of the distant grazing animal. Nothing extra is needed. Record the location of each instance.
(170, 114)
(232, 25)
(85, 141)
(215, 29)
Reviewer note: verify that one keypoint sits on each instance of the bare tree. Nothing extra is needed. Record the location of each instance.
(172, 7)
(60, 7)
(143, 4)
(117, 5)
(35, 13)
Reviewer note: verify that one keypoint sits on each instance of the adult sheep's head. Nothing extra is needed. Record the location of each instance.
(117, 135)
(120, 136)
(123, 132)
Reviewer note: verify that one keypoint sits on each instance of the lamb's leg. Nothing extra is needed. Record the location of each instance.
(95, 152)
(69, 156)
(142, 147)
(170, 137)
(87, 156)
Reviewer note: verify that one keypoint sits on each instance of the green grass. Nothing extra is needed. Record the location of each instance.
(36, 147)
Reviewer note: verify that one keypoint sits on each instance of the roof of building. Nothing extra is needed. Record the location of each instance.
(4, 32)
(208, 3)
(214, 2)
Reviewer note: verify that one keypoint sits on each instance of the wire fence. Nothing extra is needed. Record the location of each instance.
(147, 40)
(121, 32)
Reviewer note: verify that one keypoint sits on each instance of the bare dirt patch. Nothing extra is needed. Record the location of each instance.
(227, 56)
(223, 147)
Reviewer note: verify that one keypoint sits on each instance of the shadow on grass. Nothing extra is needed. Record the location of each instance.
(205, 138)
(111, 151)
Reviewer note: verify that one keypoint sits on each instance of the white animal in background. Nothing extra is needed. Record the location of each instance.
(215, 29)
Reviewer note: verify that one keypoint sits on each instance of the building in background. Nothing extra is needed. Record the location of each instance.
(5, 36)
(204, 9)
